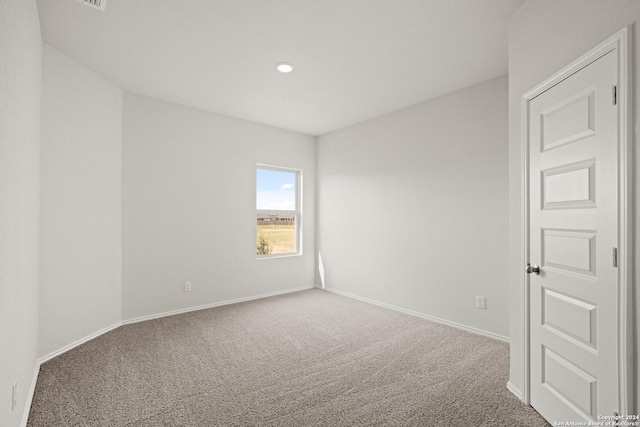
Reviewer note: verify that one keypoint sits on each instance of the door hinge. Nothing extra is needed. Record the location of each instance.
(615, 257)
(614, 95)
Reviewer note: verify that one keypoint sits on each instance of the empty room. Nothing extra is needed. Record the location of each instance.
(319, 213)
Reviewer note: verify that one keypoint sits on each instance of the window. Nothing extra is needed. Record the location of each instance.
(278, 211)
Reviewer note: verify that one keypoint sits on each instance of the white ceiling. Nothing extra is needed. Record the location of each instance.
(354, 59)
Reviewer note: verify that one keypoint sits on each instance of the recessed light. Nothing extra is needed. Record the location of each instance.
(284, 67)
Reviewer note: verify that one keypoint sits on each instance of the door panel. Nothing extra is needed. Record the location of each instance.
(569, 186)
(576, 319)
(569, 251)
(568, 121)
(569, 383)
(573, 215)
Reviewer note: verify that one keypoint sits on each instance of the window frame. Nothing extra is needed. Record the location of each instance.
(297, 213)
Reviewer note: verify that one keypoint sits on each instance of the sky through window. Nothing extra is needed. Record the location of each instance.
(276, 190)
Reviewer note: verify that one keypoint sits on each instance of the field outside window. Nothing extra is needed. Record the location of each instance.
(277, 211)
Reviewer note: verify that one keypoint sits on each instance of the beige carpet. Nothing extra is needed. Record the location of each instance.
(309, 358)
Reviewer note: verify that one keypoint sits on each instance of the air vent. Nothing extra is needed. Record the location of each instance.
(96, 4)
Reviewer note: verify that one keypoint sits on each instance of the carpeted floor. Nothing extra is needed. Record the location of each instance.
(309, 358)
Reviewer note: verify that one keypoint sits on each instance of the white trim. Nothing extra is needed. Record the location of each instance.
(30, 394)
(43, 359)
(422, 315)
(276, 168)
(275, 212)
(524, 277)
(619, 41)
(165, 314)
(214, 304)
(40, 361)
(626, 212)
(81, 341)
(515, 390)
(287, 255)
(297, 213)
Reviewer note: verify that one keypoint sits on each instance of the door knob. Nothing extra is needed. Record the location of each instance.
(532, 269)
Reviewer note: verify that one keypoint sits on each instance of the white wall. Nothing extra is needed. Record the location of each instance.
(81, 226)
(545, 36)
(189, 207)
(20, 90)
(412, 207)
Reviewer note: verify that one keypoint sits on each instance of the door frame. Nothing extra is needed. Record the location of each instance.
(620, 41)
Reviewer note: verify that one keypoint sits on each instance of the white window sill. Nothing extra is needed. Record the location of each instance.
(293, 254)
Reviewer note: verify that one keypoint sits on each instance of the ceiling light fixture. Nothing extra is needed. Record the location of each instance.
(284, 67)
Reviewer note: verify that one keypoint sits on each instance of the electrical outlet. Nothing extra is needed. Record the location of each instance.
(481, 302)
(187, 286)
(14, 395)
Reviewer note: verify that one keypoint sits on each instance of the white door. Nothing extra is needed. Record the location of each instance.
(573, 184)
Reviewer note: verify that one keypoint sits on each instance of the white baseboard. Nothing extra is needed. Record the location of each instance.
(30, 393)
(515, 390)
(79, 342)
(215, 304)
(43, 359)
(422, 315)
(40, 361)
